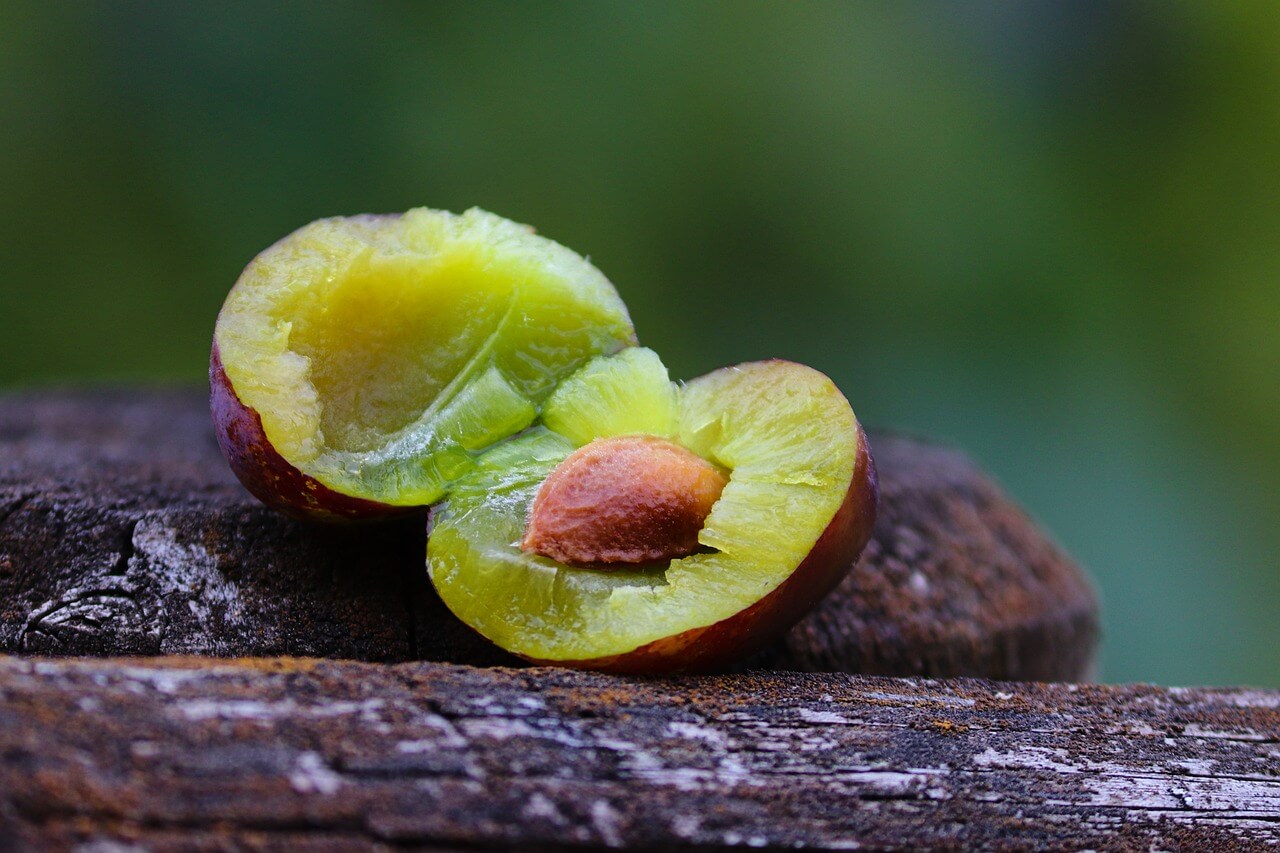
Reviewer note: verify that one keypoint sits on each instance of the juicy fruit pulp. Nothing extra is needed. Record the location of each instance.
(381, 354)
(784, 433)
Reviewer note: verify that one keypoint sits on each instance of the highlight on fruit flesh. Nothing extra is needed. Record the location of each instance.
(800, 499)
(382, 354)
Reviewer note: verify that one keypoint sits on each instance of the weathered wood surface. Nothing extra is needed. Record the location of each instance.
(277, 754)
(123, 532)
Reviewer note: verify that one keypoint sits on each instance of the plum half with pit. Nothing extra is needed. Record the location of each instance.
(570, 543)
(360, 364)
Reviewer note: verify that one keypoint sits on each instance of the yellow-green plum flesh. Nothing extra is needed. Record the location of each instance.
(798, 507)
(361, 364)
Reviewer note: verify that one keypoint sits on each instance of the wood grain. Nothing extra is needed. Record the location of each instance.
(297, 754)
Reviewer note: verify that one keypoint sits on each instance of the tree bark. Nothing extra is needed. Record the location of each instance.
(288, 754)
(123, 532)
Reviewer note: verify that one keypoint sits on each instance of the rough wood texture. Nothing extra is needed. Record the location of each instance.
(122, 531)
(277, 754)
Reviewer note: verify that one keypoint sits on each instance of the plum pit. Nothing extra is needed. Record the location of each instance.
(623, 500)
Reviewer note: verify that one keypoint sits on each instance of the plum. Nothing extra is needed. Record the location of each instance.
(796, 506)
(361, 363)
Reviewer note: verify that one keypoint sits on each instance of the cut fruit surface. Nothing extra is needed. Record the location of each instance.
(798, 506)
(381, 354)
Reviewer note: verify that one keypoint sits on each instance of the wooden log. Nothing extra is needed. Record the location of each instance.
(122, 531)
(288, 754)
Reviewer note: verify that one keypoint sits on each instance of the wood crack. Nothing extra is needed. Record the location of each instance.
(126, 550)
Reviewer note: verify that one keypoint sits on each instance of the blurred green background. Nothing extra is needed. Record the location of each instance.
(1049, 232)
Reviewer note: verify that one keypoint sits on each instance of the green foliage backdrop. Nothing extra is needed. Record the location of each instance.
(1047, 232)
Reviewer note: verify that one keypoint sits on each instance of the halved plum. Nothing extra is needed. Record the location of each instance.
(360, 364)
(797, 508)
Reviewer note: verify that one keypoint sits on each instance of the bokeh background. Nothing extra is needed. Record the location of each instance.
(1046, 232)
